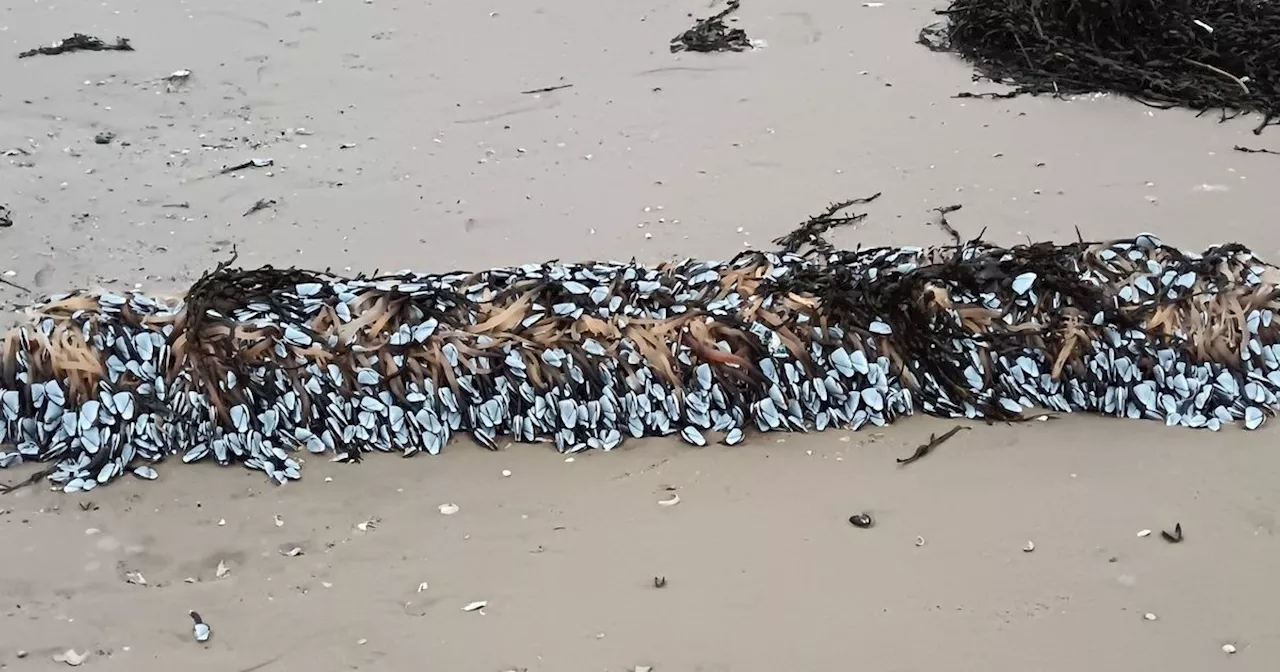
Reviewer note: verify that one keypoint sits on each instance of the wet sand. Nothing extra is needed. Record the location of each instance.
(420, 151)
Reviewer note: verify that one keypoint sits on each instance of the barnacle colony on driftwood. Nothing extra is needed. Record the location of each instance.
(254, 366)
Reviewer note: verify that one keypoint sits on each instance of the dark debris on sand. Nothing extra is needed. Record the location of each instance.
(812, 231)
(1251, 150)
(1200, 54)
(79, 42)
(712, 35)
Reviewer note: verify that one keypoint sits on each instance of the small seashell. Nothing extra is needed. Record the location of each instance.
(279, 521)
(222, 570)
(919, 541)
(476, 606)
(1228, 648)
(422, 586)
(862, 520)
(1144, 533)
(1031, 546)
(291, 553)
(136, 578)
(1149, 616)
(506, 473)
(670, 501)
(71, 657)
(448, 509)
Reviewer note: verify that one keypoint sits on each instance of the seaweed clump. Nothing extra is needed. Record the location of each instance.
(712, 35)
(78, 42)
(1199, 54)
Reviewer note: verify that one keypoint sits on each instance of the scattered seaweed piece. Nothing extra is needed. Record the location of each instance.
(14, 285)
(926, 448)
(261, 204)
(712, 35)
(6, 217)
(1250, 150)
(78, 42)
(946, 225)
(1174, 537)
(251, 163)
(1200, 54)
(547, 89)
(813, 230)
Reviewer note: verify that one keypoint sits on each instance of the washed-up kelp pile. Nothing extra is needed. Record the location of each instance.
(1201, 54)
(260, 366)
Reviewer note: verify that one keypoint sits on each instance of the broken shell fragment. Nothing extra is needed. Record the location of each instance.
(476, 606)
(71, 657)
(670, 501)
(448, 509)
(1031, 546)
(1228, 648)
(1144, 533)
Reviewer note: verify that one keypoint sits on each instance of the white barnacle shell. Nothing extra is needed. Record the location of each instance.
(1022, 284)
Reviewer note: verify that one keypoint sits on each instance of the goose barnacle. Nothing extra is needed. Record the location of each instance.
(787, 341)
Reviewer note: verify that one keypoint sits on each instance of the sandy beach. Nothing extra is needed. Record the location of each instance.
(399, 136)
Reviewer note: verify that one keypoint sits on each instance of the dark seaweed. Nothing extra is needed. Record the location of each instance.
(711, 35)
(812, 230)
(926, 448)
(78, 42)
(1200, 54)
(1251, 150)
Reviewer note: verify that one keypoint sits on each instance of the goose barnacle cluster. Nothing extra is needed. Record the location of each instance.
(259, 366)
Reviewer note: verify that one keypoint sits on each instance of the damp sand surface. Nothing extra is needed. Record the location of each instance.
(419, 150)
